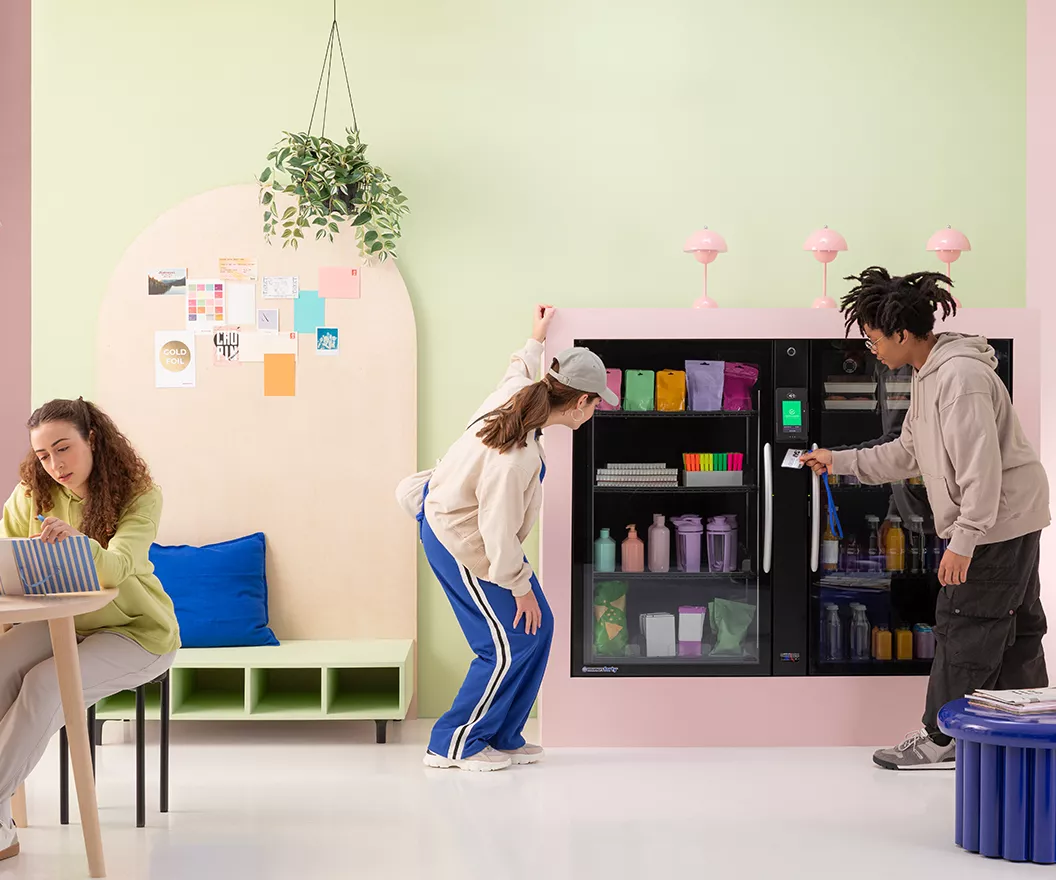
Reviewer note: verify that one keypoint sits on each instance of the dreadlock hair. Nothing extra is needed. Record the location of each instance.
(899, 303)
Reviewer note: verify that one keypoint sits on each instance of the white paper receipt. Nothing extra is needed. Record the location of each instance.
(792, 459)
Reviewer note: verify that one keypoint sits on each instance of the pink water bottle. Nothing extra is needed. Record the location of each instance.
(659, 545)
(632, 551)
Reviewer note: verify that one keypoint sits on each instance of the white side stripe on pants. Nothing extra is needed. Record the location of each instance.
(503, 662)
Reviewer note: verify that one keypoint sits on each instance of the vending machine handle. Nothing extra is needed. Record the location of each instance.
(815, 519)
(768, 507)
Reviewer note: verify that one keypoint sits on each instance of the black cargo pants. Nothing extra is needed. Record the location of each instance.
(988, 630)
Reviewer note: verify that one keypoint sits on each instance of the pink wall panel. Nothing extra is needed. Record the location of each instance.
(14, 234)
(1041, 233)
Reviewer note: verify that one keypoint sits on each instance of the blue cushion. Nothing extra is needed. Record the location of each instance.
(220, 592)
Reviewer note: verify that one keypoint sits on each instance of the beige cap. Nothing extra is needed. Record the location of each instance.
(583, 370)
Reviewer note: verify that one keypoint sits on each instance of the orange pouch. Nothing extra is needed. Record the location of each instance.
(671, 391)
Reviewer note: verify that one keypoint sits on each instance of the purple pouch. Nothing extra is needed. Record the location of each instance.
(740, 380)
(704, 383)
(614, 380)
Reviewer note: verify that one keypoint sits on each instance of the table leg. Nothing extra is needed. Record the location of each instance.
(18, 807)
(18, 800)
(68, 668)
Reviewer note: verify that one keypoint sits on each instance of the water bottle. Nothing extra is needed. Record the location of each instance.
(917, 548)
(851, 555)
(833, 633)
(872, 553)
(861, 633)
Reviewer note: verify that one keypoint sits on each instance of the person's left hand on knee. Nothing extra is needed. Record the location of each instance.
(953, 569)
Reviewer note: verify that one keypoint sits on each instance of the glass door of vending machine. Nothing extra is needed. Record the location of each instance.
(873, 567)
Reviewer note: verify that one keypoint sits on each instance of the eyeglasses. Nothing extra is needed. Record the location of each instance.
(870, 346)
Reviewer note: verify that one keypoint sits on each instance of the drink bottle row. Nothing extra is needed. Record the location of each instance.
(883, 548)
(862, 641)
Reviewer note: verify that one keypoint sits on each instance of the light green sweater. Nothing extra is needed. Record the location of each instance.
(142, 610)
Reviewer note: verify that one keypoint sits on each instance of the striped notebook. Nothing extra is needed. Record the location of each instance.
(30, 567)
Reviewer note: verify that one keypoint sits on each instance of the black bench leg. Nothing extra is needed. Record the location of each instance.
(141, 756)
(93, 733)
(164, 758)
(380, 725)
(64, 778)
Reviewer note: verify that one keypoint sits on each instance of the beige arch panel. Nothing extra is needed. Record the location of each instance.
(315, 472)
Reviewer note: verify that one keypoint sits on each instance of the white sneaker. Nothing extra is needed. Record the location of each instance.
(8, 840)
(526, 754)
(483, 761)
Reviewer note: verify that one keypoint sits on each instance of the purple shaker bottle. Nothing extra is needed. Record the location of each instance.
(688, 532)
(722, 544)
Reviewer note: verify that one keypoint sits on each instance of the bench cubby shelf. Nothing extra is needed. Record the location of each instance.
(353, 680)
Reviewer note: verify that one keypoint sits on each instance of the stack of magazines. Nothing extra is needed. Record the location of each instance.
(1029, 701)
(637, 475)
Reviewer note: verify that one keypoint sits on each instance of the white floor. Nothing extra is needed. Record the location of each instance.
(285, 801)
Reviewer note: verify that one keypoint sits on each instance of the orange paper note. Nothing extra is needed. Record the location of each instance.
(280, 375)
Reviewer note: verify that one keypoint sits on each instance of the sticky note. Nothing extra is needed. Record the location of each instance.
(309, 312)
(280, 375)
(338, 282)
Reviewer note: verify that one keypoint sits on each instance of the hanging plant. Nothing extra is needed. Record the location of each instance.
(332, 185)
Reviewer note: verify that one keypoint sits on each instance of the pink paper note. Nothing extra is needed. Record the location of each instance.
(338, 282)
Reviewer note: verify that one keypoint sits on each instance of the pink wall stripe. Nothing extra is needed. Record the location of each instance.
(15, 251)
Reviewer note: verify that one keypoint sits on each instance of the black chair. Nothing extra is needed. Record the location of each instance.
(95, 734)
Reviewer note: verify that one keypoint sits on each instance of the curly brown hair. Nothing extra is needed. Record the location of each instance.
(118, 474)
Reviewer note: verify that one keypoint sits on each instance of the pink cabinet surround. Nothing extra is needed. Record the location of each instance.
(599, 711)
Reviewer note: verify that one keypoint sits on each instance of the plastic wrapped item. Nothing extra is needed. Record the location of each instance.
(610, 619)
(705, 381)
(639, 387)
(737, 389)
(730, 622)
(670, 391)
(614, 381)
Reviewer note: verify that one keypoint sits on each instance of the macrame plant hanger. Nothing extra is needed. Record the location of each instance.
(328, 64)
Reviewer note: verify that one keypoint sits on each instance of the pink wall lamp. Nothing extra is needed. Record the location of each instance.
(948, 244)
(825, 243)
(705, 246)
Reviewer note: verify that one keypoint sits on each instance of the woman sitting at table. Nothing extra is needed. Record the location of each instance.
(82, 477)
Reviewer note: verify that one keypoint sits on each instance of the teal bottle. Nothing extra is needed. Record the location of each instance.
(604, 552)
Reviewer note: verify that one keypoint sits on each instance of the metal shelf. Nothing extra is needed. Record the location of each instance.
(674, 490)
(672, 575)
(657, 414)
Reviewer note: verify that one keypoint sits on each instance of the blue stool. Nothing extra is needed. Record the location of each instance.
(1006, 782)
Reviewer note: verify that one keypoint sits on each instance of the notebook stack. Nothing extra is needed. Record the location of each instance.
(1028, 701)
(637, 475)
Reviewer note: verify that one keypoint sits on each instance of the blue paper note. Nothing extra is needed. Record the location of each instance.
(309, 312)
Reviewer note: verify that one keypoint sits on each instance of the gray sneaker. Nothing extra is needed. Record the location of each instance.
(917, 752)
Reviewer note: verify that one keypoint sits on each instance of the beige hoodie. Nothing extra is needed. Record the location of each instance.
(482, 505)
(985, 482)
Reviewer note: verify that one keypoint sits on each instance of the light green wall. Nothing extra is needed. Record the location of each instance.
(555, 150)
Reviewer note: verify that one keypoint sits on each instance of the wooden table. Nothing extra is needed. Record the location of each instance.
(59, 612)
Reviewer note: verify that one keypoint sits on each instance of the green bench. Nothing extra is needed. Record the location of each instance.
(343, 680)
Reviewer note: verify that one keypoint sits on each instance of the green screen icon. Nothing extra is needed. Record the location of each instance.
(792, 413)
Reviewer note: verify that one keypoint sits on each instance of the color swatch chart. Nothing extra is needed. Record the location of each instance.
(205, 304)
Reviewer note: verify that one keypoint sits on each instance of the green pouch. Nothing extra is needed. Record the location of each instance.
(639, 387)
(610, 619)
(731, 621)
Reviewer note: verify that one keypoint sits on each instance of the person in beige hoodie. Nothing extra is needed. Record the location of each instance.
(986, 486)
(474, 510)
